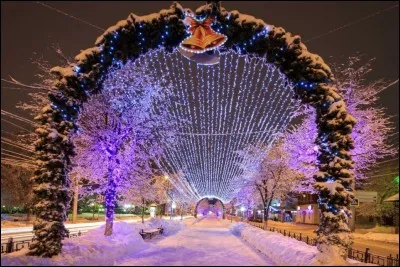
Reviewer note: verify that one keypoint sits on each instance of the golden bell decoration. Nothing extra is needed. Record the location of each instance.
(203, 38)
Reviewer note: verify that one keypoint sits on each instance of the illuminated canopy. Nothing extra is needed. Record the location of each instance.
(221, 109)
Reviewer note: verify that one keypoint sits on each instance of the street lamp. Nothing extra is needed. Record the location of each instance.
(242, 209)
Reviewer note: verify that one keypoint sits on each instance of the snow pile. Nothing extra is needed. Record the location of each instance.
(280, 249)
(93, 248)
(283, 250)
(389, 238)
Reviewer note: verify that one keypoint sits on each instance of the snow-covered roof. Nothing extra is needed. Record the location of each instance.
(393, 198)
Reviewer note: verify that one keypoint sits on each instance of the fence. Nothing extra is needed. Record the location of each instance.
(362, 256)
(11, 245)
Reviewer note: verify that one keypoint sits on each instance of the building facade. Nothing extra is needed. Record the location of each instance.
(307, 209)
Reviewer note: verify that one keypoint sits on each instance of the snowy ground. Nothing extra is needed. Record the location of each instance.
(205, 241)
(93, 248)
(389, 238)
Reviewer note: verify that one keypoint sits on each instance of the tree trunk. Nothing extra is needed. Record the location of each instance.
(181, 212)
(142, 210)
(110, 199)
(109, 227)
(28, 214)
(266, 214)
(75, 205)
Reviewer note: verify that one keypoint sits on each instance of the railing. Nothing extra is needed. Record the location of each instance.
(362, 256)
(299, 236)
(367, 257)
(11, 245)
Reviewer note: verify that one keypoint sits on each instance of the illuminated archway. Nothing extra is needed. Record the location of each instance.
(212, 204)
(135, 36)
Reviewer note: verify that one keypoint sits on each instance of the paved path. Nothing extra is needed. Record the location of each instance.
(206, 243)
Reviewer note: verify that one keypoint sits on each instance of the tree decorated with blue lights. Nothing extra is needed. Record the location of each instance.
(126, 41)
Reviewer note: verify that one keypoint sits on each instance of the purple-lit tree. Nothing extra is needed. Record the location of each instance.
(248, 197)
(370, 133)
(121, 131)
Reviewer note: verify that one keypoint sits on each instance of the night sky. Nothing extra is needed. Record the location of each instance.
(28, 30)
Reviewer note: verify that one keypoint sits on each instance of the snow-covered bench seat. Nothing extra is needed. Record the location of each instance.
(149, 233)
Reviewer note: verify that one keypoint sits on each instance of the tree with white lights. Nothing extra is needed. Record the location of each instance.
(370, 134)
(271, 178)
(248, 197)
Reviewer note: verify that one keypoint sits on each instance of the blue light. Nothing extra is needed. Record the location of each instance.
(77, 68)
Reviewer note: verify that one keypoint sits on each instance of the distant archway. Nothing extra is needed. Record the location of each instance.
(210, 204)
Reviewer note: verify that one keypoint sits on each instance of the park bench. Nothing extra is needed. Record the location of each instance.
(149, 233)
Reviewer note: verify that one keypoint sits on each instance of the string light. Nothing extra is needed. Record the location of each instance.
(221, 109)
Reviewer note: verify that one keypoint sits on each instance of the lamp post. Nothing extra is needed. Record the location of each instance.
(242, 209)
(173, 206)
(170, 194)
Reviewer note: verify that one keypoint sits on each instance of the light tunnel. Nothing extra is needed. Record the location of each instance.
(210, 206)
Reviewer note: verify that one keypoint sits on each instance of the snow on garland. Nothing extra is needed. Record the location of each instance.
(136, 35)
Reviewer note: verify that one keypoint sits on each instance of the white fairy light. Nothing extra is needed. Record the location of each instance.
(221, 108)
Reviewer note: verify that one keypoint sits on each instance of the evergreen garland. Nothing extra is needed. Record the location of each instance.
(137, 35)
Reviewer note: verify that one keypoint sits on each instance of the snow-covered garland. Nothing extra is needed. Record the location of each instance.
(136, 35)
